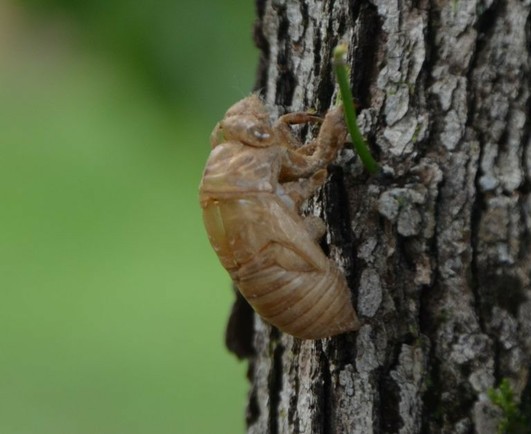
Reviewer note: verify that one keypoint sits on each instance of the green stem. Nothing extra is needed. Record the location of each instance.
(348, 107)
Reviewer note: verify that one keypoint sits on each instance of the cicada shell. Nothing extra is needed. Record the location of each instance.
(255, 180)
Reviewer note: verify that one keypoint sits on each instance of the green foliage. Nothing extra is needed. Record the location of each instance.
(173, 47)
(112, 303)
(513, 421)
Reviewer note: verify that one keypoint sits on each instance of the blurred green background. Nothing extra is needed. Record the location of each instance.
(112, 304)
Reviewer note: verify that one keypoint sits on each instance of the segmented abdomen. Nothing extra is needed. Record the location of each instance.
(278, 267)
(305, 304)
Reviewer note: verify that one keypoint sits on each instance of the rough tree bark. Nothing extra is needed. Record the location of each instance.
(436, 247)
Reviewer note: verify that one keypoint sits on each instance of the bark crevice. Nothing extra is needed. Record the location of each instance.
(275, 383)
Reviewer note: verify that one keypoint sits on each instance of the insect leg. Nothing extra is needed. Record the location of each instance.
(285, 136)
(331, 137)
(299, 191)
(315, 226)
(298, 118)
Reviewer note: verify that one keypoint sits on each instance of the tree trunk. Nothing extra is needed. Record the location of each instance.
(436, 247)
